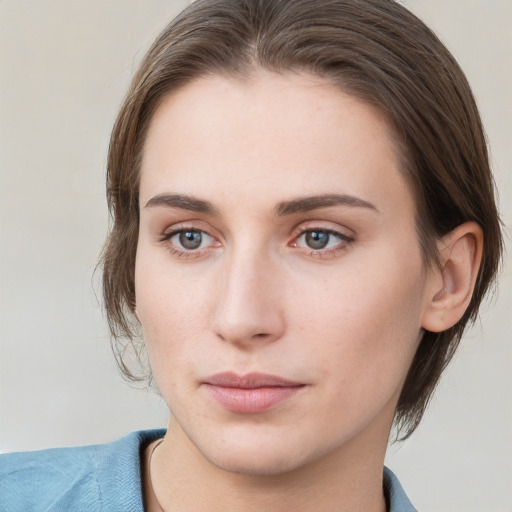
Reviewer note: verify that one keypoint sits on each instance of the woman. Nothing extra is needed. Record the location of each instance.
(304, 223)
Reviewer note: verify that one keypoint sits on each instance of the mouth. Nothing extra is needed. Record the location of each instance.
(252, 393)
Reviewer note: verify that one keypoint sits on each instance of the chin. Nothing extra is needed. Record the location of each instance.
(269, 454)
(257, 464)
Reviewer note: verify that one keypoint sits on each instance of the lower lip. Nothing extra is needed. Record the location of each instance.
(251, 401)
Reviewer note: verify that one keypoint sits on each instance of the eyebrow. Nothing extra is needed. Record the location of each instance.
(300, 205)
(182, 202)
(306, 204)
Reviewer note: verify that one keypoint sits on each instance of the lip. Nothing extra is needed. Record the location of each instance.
(251, 393)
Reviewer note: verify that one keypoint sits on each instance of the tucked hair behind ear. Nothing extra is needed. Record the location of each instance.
(375, 50)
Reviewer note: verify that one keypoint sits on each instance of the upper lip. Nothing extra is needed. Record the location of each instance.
(249, 381)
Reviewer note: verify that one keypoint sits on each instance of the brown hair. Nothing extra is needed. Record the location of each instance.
(375, 50)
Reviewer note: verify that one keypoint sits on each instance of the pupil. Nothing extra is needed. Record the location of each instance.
(190, 239)
(317, 239)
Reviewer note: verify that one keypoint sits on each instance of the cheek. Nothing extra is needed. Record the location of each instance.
(365, 320)
(171, 309)
(172, 334)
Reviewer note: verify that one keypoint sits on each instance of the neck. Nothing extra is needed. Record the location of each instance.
(348, 479)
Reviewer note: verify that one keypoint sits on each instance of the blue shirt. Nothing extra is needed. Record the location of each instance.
(98, 478)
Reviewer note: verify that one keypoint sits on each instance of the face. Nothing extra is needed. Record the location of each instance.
(279, 280)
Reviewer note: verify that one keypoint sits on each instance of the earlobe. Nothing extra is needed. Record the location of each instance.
(451, 286)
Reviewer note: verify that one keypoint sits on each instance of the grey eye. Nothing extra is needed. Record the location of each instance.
(190, 239)
(317, 239)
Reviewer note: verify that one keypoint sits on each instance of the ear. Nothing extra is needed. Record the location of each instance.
(450, 286)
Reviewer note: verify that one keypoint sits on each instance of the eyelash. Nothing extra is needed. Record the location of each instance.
(166, 238)
(344, 241)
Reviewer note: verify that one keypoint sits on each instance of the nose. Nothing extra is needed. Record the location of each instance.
(249, 308)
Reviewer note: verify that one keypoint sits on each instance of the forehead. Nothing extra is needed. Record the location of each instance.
(281, 135)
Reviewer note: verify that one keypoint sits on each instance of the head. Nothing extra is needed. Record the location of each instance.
(374, 51)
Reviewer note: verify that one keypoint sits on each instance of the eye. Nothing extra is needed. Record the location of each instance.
(324, 240)
(187, 240)
(317, 239)
(190, 239)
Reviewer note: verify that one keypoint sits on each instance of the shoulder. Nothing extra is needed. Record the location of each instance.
(92, 478)
(395, 494)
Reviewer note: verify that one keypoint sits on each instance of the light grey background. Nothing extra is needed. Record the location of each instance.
(64, 67)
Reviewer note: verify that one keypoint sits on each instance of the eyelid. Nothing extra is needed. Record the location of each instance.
(175, 229)
(325, 226)
(345, 235)
(187, 225)
(345, 239)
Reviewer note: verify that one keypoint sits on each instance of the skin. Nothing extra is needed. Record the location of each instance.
(344, 321)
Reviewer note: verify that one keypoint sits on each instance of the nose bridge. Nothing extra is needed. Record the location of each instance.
(248, 303)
